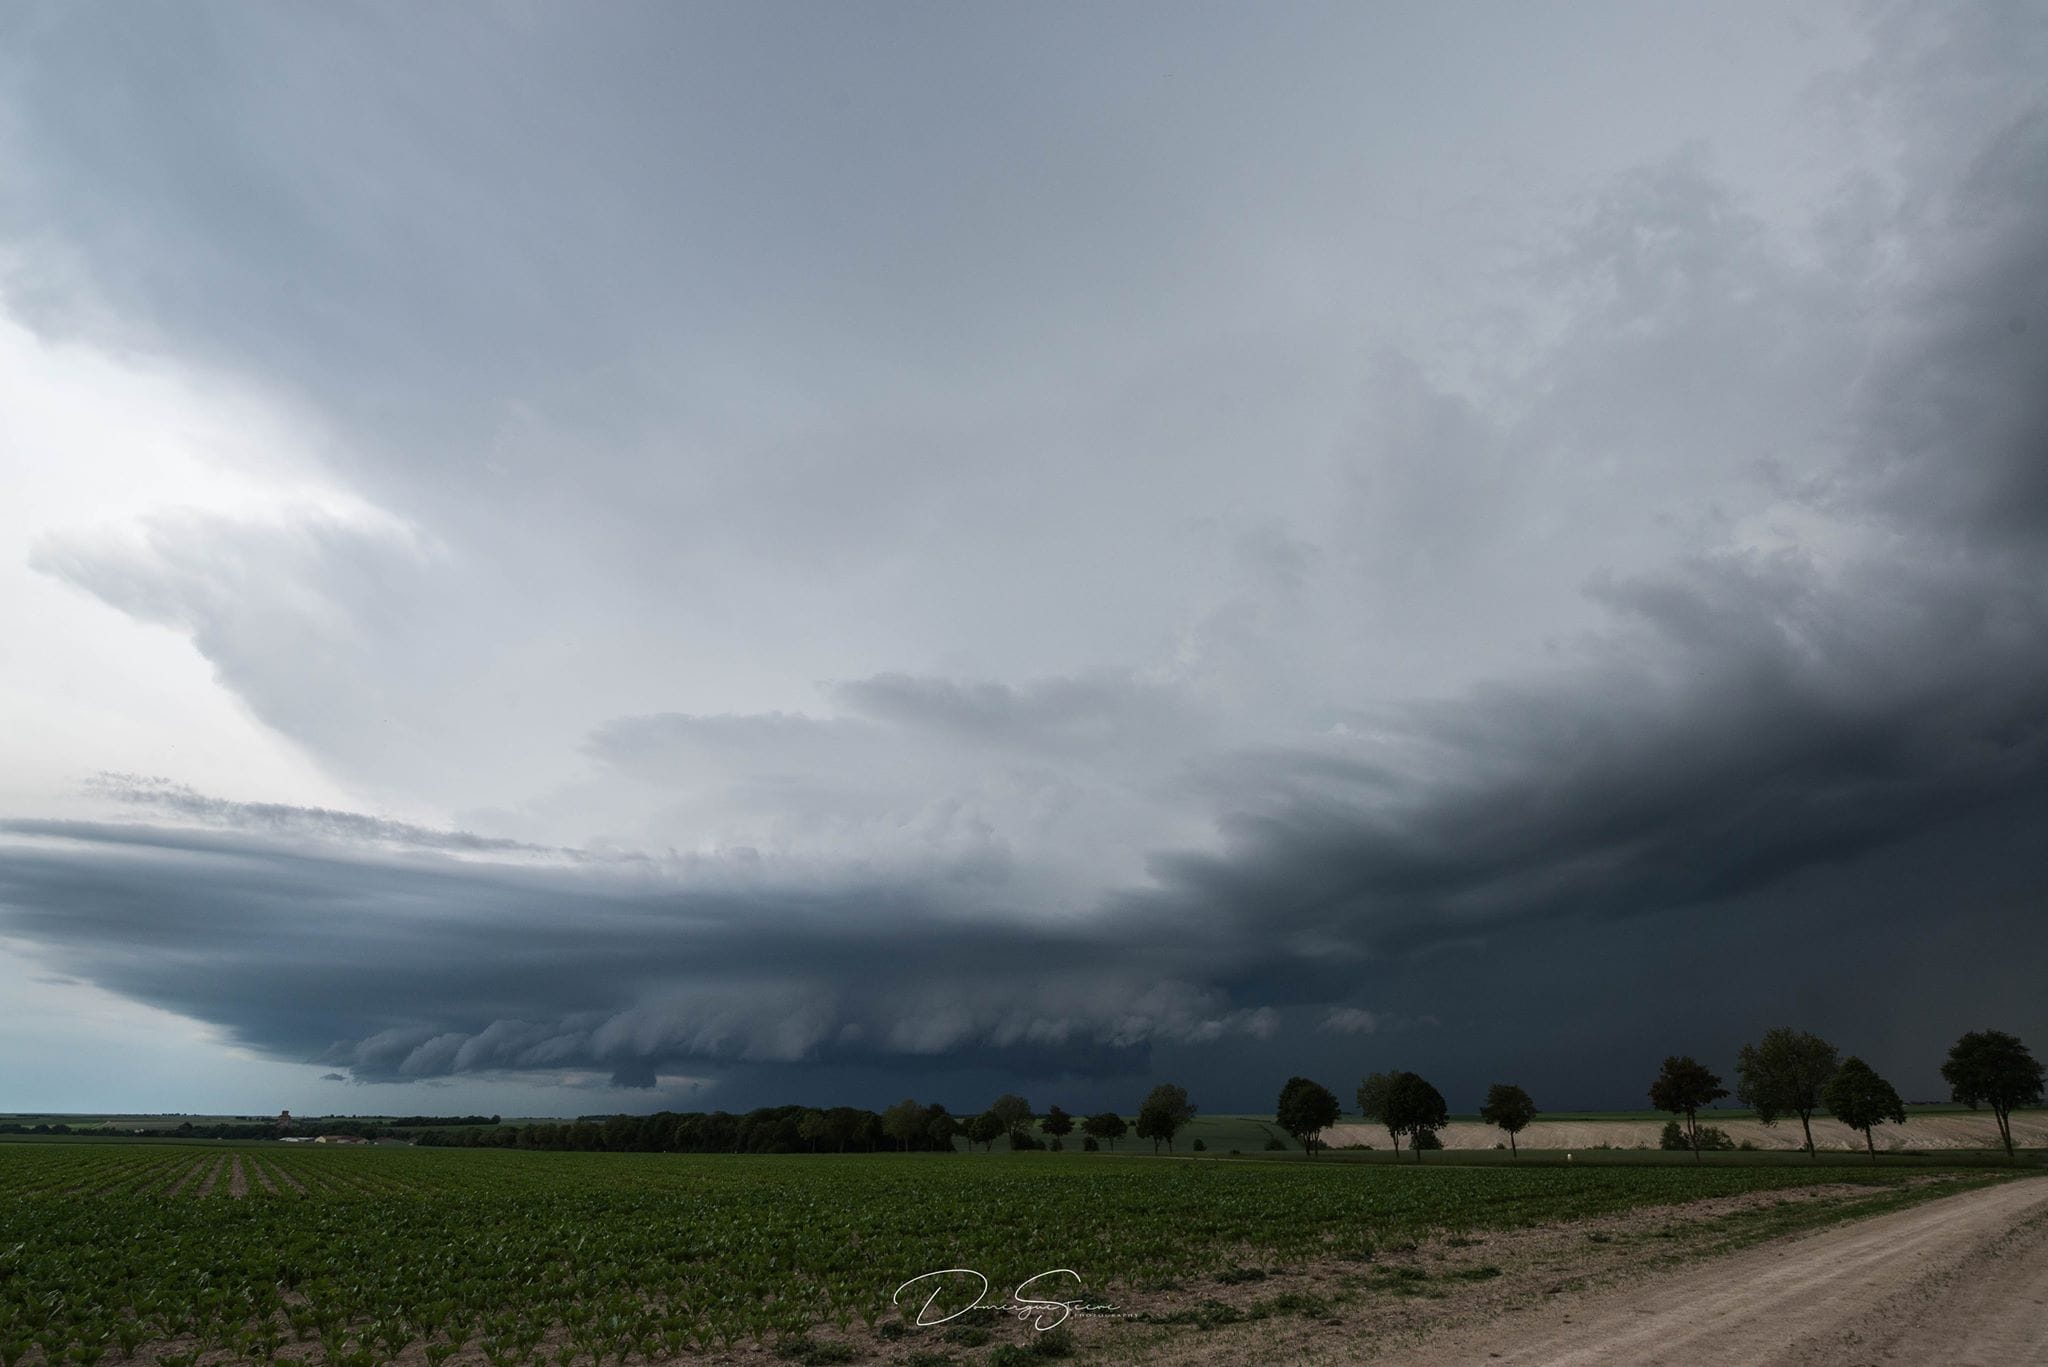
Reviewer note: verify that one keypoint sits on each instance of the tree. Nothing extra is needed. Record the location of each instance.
(814, 1127)
(1509, 1108)
(1862, 1100)
(984, 1130)
(1682, 1087)
(1057, 1123)
(1372, 1102)
(1012, 1110)
(1165, 1111)
(1992, 1068)
(903, 1121)
(1785, 1075)
(1108, 1125)
(1305, 1110)
(940, 1129)
(1414, 1108)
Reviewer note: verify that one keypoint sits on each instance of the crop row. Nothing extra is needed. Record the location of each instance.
(551, 1260)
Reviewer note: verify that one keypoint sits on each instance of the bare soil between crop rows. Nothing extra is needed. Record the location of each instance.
(1582, 1291)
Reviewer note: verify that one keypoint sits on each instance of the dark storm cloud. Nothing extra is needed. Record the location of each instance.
(1796, 698)
(1746, 716)
(427, 967)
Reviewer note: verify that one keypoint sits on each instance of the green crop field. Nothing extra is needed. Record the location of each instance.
(352, 1257)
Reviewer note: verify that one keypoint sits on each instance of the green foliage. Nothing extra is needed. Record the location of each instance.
(1372, 1102)
(903, 1122)
(1165, 1111)
(1785, 1074)
(1710, 1139)
(431, 1255)
(1305, 1110)
(1012, 1110)
(1108, 1125)
(1862, 1100)
(1416, 1109)
(1682, 1087)
(1992, 1068)
(1508, 1108)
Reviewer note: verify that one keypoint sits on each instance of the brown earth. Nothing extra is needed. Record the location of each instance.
(2029, 1130)
(238, 1181)
(178, 1187)
(1957, 1278)
(1962, 1280)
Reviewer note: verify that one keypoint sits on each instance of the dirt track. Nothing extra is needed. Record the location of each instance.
(1959, 1281)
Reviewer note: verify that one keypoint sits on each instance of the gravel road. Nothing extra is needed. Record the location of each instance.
(1958, 1281)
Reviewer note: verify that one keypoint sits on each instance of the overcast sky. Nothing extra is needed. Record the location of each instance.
(560, 558)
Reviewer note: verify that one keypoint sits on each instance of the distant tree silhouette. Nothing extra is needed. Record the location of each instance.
(1862, 1100)
(1416, 1109)
(1166, 1110)
(985, 1130)
(1057, 1123)
(1992, 1068)
(1305, 1110)
(1372, 1102)
(1012, 1110)
(1509, 1108)
(903, 1121)
(1682, 1087)
(1785, 1074)
(1108, 1125)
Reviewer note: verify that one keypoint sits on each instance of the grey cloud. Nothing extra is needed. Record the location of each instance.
(281, 819)
(411, 971)
(1219, 703)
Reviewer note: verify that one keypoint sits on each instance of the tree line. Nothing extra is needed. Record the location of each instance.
(1788, 1073)
(392, 1127)
(1795, 1073)
(906, 1127)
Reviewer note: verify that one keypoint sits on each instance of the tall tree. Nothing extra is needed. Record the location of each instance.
(1165, 1111)
(1305, 1110)
(1372, 1102)
(1682, 1087)
(1012, 1110)
(1415, 1108)
(1992, 1068)
(1785, 1074)
(984, 1130)
(1862, 1100)
(940, 1129)
(1108, 1125)
(1057, 1123)
(1509, 1108)
(903, 1121)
